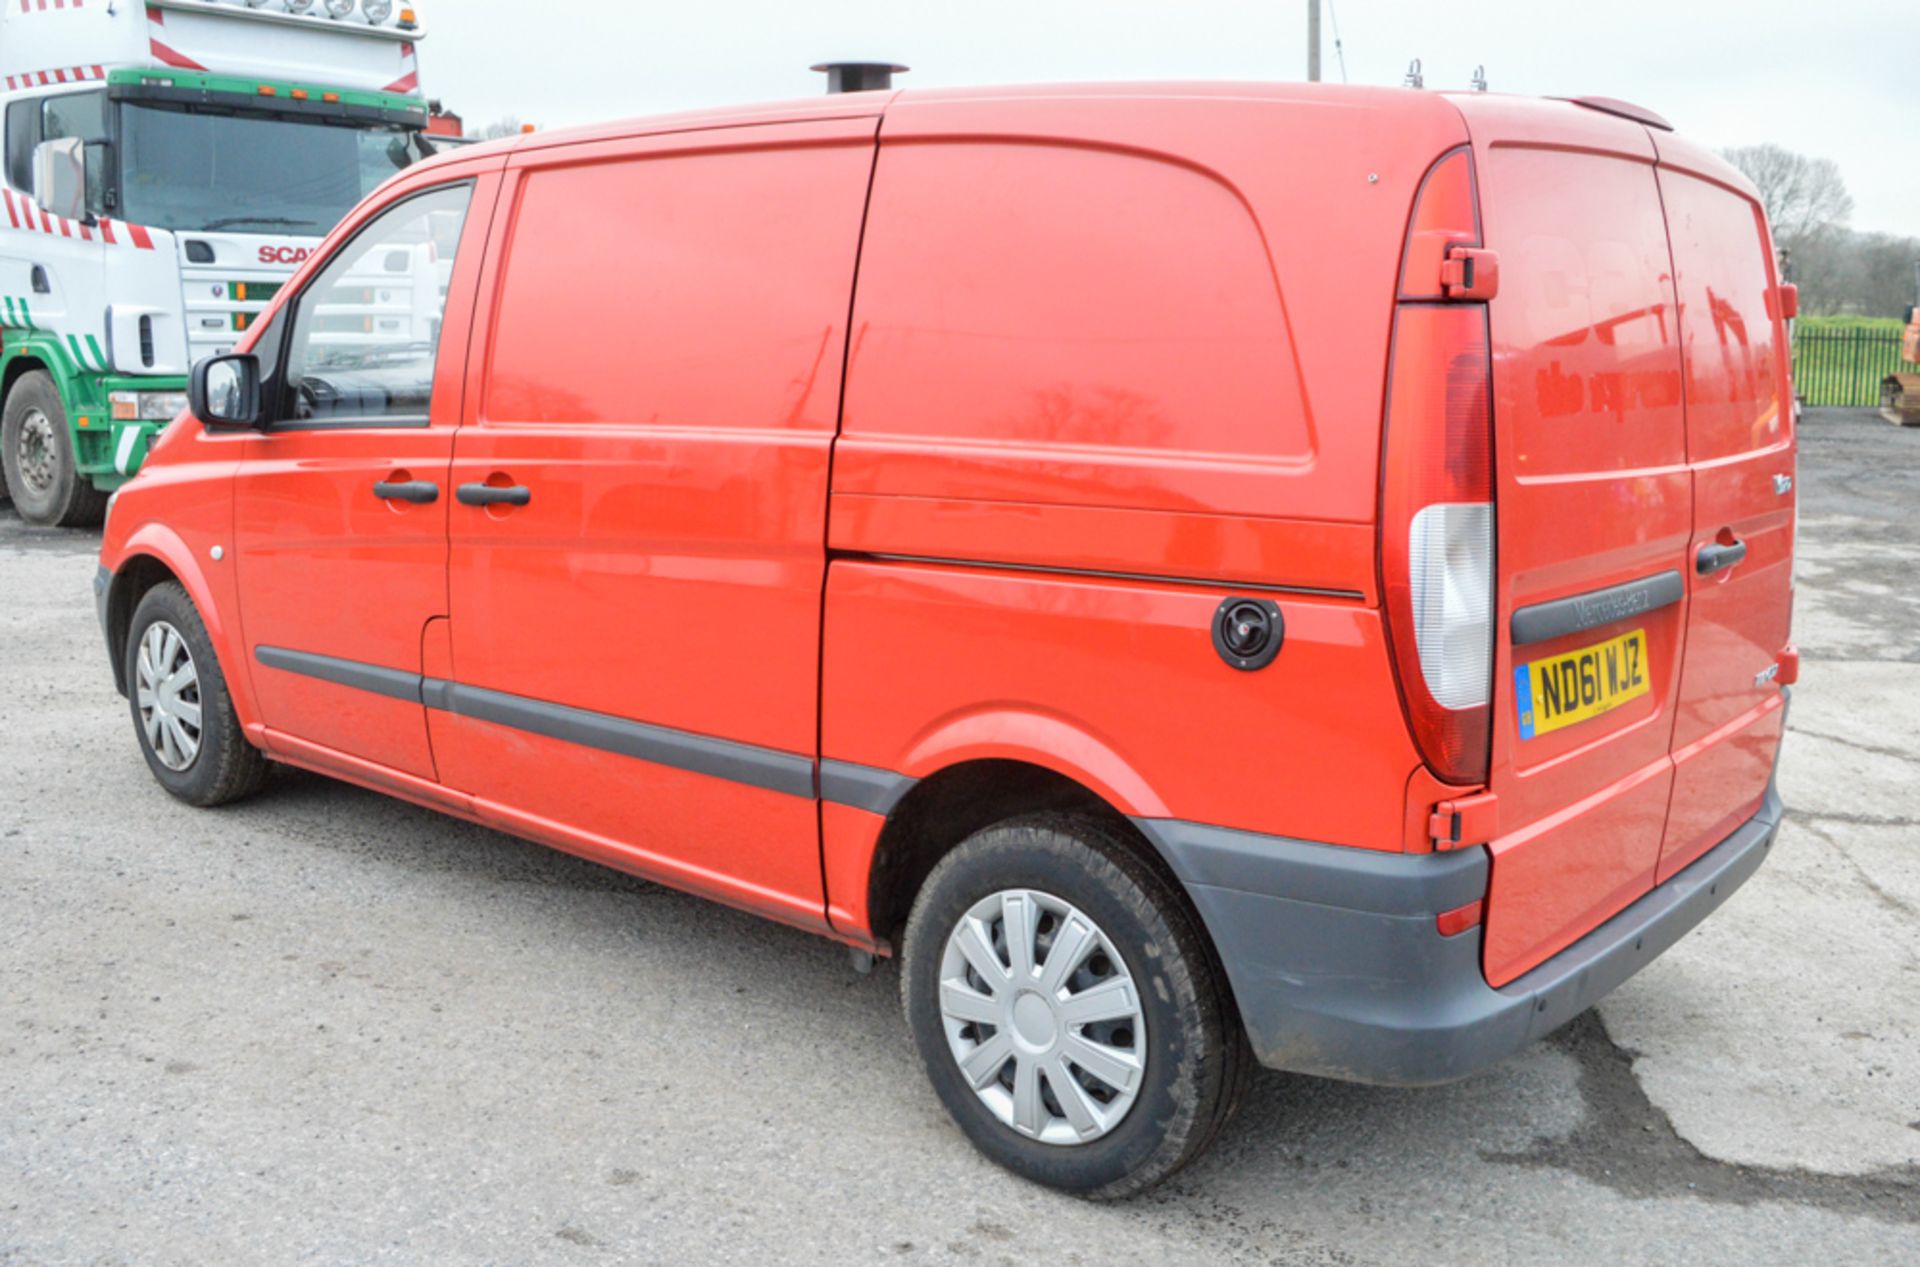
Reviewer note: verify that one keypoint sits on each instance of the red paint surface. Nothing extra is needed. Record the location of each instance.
(1111, 356)
(674, 429)
(1739, 440)
(1602, 402)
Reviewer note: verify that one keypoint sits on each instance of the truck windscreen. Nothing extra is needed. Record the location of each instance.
(184, 169)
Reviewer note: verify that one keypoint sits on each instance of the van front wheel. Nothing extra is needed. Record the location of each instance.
(182, 712)
(1067, 1008)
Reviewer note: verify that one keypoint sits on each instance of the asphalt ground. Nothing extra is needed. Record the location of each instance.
(327, 1027)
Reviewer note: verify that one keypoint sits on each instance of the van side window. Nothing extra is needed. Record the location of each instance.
(23, 133)
(703, 290)
(367, 327)
(1068, 297)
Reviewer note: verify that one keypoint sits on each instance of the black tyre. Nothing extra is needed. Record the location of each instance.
(1105, 1056)
(36, 450)
(182, 712)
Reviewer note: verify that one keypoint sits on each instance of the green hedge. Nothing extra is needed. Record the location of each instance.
(1847, 323)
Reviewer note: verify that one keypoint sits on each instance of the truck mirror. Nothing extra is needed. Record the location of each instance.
(224, 392)
(60, 177)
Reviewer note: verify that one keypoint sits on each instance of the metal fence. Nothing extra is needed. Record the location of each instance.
(1844, 367)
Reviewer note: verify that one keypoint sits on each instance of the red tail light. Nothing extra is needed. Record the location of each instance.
(1458, 920)
(1436, 493)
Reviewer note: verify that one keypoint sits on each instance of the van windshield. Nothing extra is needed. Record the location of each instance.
(183, 169)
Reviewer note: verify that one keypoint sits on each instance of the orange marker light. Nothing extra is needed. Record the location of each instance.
(299, 94)
(266, 90)
(240, 291)
(329, 96)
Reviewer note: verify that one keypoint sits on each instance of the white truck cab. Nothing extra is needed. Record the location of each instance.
(167, 165)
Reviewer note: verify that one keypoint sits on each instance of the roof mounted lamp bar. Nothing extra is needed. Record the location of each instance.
(305, 16)
(859, 76)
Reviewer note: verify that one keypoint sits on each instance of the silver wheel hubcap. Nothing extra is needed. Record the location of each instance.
(168, 696)
(1042, 1017)
(35, 451)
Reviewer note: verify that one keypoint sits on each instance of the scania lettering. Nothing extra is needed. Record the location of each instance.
(167, 167)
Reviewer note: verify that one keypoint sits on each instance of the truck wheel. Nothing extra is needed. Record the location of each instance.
(182, 711)
(1069, 1012)
(38, 455)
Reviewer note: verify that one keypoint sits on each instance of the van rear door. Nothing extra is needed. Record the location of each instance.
(1740, 451)
(1593, 511)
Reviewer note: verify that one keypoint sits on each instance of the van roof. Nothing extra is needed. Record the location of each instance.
(1480, 109)
(862, 104)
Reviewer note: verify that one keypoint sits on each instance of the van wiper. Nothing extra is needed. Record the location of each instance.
(231, 221)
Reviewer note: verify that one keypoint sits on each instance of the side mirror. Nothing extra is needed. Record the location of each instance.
(224, 392)
(60, 177)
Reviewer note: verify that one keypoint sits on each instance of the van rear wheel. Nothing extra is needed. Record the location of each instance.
(36, 450)
(1067, 1008)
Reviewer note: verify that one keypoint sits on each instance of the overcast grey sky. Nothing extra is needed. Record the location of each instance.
(1833, 78)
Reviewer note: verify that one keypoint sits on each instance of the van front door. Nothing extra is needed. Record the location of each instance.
(639, 504)
(340, 505)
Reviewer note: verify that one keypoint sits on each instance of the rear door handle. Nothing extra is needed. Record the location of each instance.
(1714, 557)
(419, 491)
(494, 495)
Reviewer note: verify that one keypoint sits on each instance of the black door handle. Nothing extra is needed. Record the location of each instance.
(494, 495)
(1713, 557)
(419, 491)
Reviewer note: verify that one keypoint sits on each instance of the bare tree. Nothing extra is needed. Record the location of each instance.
(1804, 197)
(1866, 273)
(509, 126)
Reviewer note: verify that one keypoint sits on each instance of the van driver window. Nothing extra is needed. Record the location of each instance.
(366, 329)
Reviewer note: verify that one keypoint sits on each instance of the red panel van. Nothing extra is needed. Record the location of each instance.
(1203, 575)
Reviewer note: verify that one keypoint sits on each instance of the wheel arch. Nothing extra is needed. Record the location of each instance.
(137, 574)
(20, 364)
(37, 350)
(153, 555)
(949, 804)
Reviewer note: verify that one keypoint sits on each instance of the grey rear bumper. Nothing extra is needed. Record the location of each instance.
(1339, 968)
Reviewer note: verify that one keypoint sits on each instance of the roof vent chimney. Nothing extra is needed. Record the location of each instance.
(859, 76)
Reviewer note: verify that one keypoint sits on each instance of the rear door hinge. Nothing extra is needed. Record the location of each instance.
(1463, 821)
(1469, 272)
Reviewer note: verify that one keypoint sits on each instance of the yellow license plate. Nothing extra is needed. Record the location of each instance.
(1570, 688)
